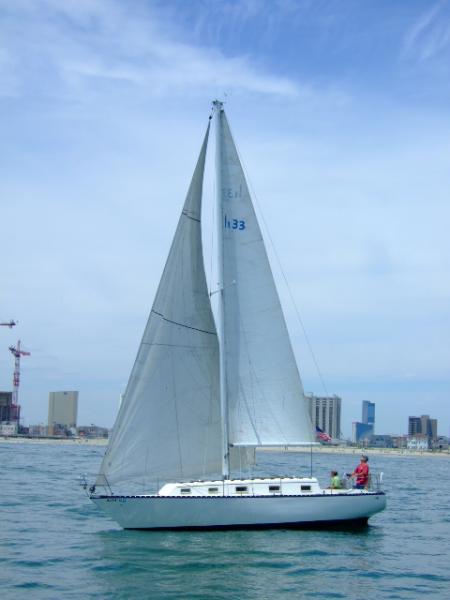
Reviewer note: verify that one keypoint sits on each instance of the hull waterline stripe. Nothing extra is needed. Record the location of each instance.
(351, 524)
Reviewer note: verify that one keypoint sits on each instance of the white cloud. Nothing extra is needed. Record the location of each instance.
(103, 121)
(180, 69)
(430, 35)
(83, 41)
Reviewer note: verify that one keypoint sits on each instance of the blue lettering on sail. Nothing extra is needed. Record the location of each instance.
(237, 224)
(232, 193)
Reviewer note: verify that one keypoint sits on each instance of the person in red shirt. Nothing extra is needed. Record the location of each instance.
(362, 473)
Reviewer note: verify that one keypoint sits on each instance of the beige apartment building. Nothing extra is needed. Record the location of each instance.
(62, 410)
(325, 413)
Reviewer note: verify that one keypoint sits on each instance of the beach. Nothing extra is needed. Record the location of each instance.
(320, 449)
(53, 441)
(358, 451)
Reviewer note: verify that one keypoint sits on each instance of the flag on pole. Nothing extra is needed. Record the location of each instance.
(322, 436)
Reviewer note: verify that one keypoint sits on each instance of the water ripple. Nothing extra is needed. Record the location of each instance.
(55, 544)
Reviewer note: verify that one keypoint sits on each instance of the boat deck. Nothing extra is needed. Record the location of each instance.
(280, 486)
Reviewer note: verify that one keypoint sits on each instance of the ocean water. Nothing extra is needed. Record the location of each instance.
(54, 543)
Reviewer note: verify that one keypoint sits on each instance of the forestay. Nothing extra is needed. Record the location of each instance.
(168, 427)
(265, 398)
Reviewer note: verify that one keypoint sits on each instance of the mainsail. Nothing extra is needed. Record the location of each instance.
(169, 426)
(264, 394)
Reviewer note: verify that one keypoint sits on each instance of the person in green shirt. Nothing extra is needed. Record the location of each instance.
(335, 482)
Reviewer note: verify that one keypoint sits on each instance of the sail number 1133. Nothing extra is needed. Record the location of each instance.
(229, 223)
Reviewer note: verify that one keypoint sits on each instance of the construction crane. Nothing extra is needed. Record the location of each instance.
(11, 324)
(17, 353)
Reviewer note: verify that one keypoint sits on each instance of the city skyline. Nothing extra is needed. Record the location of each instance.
(368, 410)
(343, 127)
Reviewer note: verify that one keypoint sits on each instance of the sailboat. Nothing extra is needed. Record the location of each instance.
(206, 391)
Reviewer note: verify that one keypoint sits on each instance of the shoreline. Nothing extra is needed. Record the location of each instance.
(45, 440)
(393, 452)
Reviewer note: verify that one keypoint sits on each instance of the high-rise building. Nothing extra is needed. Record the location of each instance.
(6, 406)
(325, 413)
(432, 429)
(62, 411)
(368, 413)
(361, 432)
(8, 410)
(423, 425)
(414, 425)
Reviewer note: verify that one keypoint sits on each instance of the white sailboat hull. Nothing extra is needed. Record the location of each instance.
(222, 512)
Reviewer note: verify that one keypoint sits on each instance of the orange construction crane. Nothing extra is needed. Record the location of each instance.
(17, 353)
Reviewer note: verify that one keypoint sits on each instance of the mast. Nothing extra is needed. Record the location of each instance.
(218, 105)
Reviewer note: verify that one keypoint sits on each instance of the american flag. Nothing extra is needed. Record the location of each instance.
(321, 435)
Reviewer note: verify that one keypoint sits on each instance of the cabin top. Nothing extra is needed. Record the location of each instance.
(244, 487)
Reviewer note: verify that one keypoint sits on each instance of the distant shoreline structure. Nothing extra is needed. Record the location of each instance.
(298, 449)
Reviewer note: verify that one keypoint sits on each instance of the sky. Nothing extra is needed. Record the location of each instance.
(340, 111)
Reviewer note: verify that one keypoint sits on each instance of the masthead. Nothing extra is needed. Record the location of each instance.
(218, 104)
